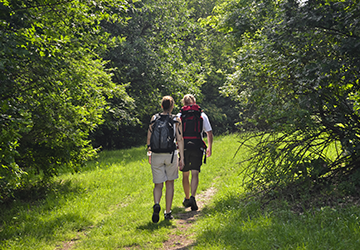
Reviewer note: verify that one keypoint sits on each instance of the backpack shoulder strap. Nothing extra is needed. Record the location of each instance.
(197, 107)
(174, 118)
(170, 117)
(157, 116)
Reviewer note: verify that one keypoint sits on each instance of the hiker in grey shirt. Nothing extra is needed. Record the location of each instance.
(164, 155)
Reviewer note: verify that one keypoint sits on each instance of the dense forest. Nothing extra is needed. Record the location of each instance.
(78, 77)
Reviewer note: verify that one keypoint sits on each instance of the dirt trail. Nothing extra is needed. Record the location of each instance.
(184, 220)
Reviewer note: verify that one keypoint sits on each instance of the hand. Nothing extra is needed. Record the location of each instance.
(149, 156)
(208, 152)
(181, 164)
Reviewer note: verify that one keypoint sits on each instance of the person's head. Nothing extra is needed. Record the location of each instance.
(167, 103)
(188, 99)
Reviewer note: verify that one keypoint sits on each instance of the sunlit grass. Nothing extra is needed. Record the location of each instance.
(108, 206)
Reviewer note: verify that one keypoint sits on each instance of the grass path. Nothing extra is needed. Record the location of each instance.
(179, 237)
(108, 205)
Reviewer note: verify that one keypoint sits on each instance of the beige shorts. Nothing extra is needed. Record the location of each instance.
(162, 168)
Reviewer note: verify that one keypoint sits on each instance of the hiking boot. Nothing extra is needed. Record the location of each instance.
(193, 204)
(186, 203)
(168, 216)
(155, 216)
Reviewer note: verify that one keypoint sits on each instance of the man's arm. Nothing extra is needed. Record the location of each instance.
(210, 142)
(180, 141)
(149, 132)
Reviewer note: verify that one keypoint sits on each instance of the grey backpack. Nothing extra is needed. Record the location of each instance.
(163, 134)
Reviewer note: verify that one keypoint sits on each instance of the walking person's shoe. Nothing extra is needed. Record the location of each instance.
(155, 216)
(186, 203)
(193, 204)
(168, 216)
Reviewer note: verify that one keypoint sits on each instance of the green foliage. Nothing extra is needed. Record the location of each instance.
(223, 112)
(297, 78)
(155, 60)
(54, 85)
(167, 52)
(214, 52)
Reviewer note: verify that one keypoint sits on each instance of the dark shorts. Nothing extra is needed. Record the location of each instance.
(193, 159)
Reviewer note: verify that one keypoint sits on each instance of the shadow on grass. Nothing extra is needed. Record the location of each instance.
(181, 213)
(40, 228)
(177, 212)
(232, 223)
(150, 226)
(24, 215)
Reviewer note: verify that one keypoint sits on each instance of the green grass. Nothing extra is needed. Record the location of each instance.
(108, 206)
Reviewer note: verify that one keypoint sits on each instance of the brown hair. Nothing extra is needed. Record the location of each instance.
(188, 99)
(167, 103)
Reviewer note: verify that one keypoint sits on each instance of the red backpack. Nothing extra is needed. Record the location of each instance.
(192, 125)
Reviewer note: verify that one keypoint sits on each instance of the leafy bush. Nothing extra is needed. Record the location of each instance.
(297, 79)
(54, 86)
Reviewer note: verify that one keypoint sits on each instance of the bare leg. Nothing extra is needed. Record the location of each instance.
(186, 184)
(169, 195)
(158, 192)
(194, 181)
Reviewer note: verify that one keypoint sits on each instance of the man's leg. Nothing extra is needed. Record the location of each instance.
(157, 196)
(194, 185)
(169, 195)
(194, 181)
(158, 192)
(186, 184)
